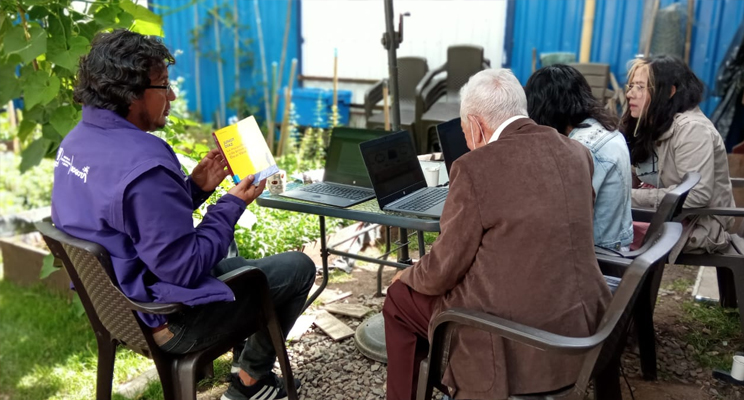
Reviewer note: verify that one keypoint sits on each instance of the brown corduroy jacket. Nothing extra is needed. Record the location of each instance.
(516, 241)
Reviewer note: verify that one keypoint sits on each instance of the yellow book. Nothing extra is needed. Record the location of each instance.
(246, 151)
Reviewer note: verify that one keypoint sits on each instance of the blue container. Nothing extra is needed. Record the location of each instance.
(314, 106)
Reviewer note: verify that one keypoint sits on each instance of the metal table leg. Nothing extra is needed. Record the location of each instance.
(324, 258)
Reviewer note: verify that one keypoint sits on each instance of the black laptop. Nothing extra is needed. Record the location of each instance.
(345, 179)
(452, 141)
(397, 177)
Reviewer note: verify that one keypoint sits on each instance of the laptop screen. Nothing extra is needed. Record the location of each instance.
(393, 166)
(452, 141)
(344, 161)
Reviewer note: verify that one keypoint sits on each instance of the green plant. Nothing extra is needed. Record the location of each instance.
(49, 351)
(24, 192)
(713, 331)
(44, 40)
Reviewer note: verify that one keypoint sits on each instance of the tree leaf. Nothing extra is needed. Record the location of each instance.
(64, 119)
(145, 21)
(48, 266)
(37, 13)
(31, 156)
(15, 43)
(49, 132)
(40, 88)
(106, 16)
(11, 86)
(25, 128)
(68, 55)
(148, 28)
(125, 20)
(140, 12)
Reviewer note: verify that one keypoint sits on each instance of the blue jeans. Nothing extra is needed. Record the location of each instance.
(290, 276)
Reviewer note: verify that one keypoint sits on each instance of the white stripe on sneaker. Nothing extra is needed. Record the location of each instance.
(269, 393)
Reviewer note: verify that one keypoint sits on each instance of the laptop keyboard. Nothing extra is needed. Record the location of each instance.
(425, 200)
(337, 191)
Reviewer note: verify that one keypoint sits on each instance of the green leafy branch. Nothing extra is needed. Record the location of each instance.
(40, 47)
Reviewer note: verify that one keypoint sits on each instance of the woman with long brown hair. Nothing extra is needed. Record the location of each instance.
(668, 136)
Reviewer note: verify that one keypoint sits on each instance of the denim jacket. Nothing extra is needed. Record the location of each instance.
(612, 182)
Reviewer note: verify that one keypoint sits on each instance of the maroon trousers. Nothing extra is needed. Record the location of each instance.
(407, 314)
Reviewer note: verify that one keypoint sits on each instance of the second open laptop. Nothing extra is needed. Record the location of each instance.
(452, 141)
(397, 177)
(345, 179)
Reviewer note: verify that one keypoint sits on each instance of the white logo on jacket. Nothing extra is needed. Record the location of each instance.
(71, 169)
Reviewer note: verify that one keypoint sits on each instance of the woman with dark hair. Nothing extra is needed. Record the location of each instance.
(560, 97)
(669, 136)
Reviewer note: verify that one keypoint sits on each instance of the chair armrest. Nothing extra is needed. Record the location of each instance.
(372, 96)
(428, 96)
(737, 182)
(424, 84)
(517, 332)
(434, 92)
(642, 214)
(156, 308)
(486, 63)
(720, 211)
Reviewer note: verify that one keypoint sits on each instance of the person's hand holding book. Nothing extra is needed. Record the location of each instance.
(210, 171)
(246, 191)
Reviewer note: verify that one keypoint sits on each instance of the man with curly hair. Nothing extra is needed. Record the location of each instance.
(117, 185)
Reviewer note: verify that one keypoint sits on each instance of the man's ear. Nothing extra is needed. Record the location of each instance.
(674, 90)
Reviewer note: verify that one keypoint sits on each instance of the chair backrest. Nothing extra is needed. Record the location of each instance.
(598, 76)
(463, 62)
(613, 326)
(410, 72)
(672, 203)
(89, 266)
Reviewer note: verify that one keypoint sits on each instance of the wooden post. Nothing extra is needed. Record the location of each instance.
(236, 54)
(267, 105)
(650, 34)
(220, 76)
(688, 37)
(197, 73)
(284, 135)
(285, 122)
(13, 121)
(587, 31)
(385, 105)
(287, 26)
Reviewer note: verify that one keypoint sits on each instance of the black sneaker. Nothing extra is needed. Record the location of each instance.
(270, 387)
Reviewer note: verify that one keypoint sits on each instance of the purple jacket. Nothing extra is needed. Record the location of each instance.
(124, 189)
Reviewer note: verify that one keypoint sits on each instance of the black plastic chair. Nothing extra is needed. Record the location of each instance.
(729, 267)
(670, 206)
(115, 322)
(438, 100)
(601, 351)
(410, 71)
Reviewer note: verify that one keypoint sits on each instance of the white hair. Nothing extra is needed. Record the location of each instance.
(495, 95)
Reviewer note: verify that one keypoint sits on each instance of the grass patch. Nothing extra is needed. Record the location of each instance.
(339, 276)
(680, 285)
(713, 331)
(49, 351)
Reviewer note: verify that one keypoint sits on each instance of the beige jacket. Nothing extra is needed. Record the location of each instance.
(516, 242)
(692, 143)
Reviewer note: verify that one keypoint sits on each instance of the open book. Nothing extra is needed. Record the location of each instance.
(246, 151)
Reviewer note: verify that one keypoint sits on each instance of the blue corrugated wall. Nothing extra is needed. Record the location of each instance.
(178, 22)
(553, 25)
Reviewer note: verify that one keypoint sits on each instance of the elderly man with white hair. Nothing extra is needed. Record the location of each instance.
(516, 242)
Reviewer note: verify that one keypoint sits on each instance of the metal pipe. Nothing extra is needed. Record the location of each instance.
(392, 46)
